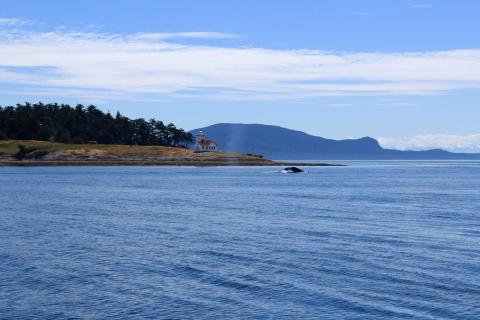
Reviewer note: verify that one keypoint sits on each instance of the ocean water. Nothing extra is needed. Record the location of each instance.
(375, 240)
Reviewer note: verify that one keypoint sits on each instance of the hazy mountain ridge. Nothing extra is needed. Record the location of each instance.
(276, 142)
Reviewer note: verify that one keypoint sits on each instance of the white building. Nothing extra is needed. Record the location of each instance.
(203, 144)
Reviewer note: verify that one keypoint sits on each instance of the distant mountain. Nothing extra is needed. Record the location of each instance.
(275, 142)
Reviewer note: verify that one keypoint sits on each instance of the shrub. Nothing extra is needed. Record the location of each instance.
(22, 152)
(29, 153)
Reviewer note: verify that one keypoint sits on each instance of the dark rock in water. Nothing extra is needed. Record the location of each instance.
(292, 170)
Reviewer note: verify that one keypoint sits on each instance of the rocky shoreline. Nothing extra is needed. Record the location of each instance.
(39, 163)
(39, 153)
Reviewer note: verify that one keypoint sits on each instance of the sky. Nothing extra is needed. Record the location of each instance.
(406, 72)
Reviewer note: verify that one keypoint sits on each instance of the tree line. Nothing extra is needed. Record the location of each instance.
(85, 124)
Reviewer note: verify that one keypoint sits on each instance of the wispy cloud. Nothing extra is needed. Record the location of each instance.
(422, 5)
(399, 104)
(12, 22)
(342, 104)
(153, 65)
(452, 142)
(361, 13)
(185, 35)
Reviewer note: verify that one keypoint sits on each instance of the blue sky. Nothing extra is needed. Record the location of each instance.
(406, 72)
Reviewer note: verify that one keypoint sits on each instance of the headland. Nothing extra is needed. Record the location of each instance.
(44, 153)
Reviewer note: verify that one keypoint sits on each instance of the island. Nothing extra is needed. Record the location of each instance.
(275, 142)
(55, 134)
(44, 153)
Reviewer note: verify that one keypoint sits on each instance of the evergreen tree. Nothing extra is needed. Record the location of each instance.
(80, 124)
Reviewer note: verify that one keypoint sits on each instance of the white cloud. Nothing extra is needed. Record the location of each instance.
(342, 104)
(149, 65)
(451, 142)
(11, 22)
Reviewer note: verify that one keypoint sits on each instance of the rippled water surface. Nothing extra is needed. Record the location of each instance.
(384, 240)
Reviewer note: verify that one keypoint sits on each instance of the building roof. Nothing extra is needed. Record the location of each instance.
(207, 142)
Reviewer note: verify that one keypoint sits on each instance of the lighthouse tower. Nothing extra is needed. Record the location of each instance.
(200, 141)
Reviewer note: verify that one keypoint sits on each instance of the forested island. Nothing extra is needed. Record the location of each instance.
(58, 134)
(85, 124)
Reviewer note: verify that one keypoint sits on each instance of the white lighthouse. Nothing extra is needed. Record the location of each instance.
(203, 144)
